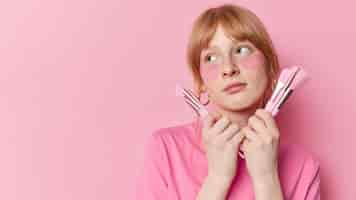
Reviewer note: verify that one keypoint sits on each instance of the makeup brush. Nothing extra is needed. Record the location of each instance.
(282, 80)
(298, 79)
(285, 81)
(191, 100)
(195, 104)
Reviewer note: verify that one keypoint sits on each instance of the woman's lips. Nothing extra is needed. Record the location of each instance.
(235, 88)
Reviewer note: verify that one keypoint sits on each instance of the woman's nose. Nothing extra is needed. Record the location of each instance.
(230, 71)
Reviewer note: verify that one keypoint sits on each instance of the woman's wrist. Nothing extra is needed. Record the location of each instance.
(219, 185)
(268, 187)
(214, 188)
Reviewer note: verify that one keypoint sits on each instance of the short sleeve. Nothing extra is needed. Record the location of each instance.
(308, 187)
(152, 182)
(313, 192)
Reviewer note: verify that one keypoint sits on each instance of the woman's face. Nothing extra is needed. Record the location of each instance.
(227, 61)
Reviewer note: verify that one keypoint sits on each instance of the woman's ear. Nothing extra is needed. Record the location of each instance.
(198, 88)
(202, 88)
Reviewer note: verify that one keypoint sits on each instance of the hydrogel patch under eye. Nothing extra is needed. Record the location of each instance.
(253, 61)
(209, 72)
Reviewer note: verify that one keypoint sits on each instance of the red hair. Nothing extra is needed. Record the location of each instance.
(241, 24)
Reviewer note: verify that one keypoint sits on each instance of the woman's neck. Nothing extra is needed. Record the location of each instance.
(240, 116)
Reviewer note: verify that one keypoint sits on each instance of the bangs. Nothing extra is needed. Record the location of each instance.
(237, 29)
(234, 26)
(239, 24)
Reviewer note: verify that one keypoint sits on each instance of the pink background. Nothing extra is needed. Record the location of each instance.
(83, 83)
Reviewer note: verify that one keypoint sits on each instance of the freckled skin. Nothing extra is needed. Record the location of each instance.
(251, 62)
(209, 72)
(220, 55)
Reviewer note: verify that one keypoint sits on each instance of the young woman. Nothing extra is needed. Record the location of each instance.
(234, 65)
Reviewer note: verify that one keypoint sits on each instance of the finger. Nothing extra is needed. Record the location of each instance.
(243, 136)
(237, 138)
(210, 119)
(229, 132)
(267, 118)
(251, 135)
(261, 130)
(257, 124)
(245, 145)
(216, 114)
(220, 125)
(207, 121)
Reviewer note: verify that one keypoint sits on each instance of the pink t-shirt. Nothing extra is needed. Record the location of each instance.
(175, 166)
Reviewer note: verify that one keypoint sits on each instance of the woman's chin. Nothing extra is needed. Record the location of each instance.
(238, 104)
(240, 101)
(234, 105)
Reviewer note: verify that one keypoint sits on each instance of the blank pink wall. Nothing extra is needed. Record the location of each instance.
(83, 83)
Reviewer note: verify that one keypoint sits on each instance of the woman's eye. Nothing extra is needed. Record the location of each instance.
(243, 50)
(210, 58)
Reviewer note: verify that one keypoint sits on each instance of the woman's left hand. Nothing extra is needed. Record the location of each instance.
(260, 146)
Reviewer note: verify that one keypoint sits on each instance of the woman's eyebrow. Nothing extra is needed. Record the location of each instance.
(241, 42)
(212, 47)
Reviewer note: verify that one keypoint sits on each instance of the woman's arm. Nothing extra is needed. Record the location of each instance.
(214, 188)
(268, 188)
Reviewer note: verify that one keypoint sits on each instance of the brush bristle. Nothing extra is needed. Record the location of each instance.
(300, 78)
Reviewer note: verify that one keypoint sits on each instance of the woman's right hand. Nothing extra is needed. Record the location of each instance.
(221, 140)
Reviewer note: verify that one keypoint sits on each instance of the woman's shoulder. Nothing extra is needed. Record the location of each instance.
(177, 134)
(299, 171)
(298, 157)
(174, 130)
(165, 140)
